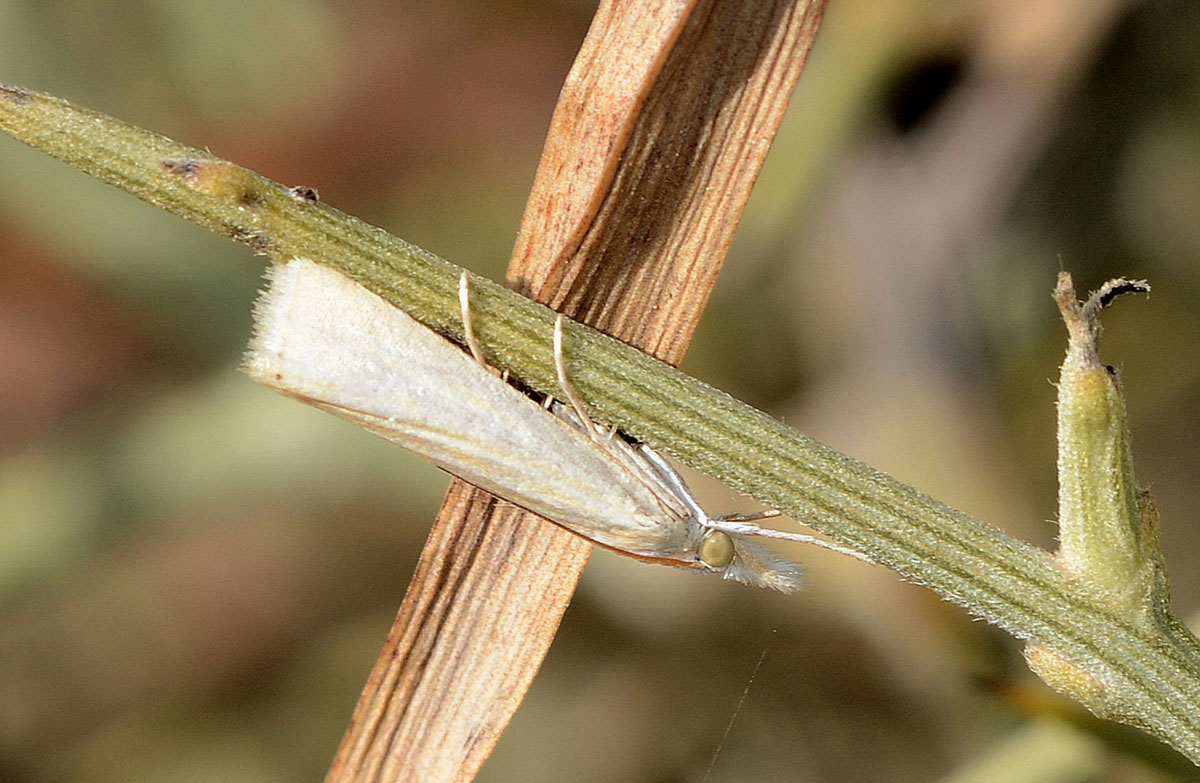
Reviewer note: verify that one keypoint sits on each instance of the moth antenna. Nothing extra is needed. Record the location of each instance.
(560, 366)
(740, 528)
(464, 304)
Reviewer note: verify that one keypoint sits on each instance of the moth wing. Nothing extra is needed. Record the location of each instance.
(329, 341)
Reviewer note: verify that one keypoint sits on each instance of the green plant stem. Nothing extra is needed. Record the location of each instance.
(1152, 672)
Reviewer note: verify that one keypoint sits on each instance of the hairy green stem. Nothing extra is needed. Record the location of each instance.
(1151, 671)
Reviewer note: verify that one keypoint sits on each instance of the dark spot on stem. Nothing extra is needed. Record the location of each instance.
(304, 193)
(258, 241)
(186, 168)
(252, 198)
(17, 95)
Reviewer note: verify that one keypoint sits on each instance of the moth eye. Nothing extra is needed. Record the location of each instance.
(716, 550)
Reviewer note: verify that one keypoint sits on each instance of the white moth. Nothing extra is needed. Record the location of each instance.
(324, 339)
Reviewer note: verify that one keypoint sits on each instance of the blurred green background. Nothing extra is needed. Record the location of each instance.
(196, 574)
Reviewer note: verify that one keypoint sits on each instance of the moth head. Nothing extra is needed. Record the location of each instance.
(716, 549)
(736, 558)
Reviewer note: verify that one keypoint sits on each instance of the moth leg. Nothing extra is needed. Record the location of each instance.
(464, 304)
(754, 516)
(672, 479)
(560, 366)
